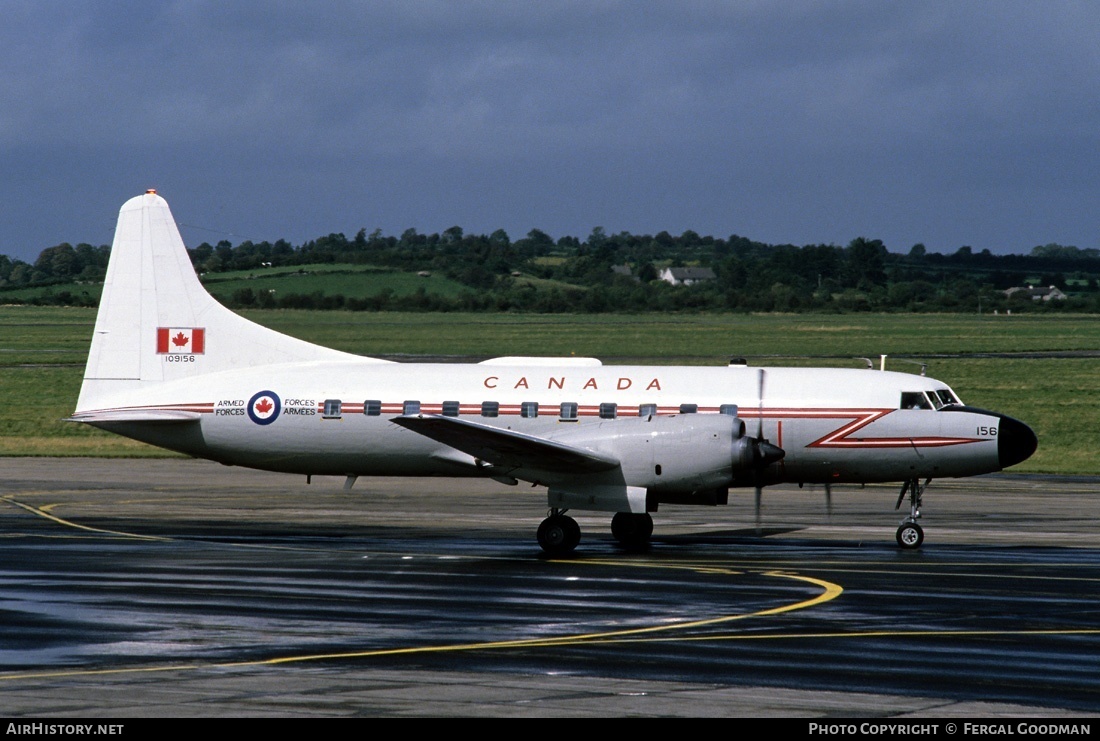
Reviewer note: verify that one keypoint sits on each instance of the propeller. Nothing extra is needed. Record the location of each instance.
(753, 453)
(763, 453)
(756, 447)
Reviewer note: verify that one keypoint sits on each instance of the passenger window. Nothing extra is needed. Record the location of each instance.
(450, 409)
(529, 409)
(490, 408)
(689, 408)
(372, 407)
(608, 410)
(332, 409)
(647, 410)
(410, 407)
(568, 411)
(914, 400)
(728, 409)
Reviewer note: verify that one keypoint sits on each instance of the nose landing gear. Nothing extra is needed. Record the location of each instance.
(910, 535)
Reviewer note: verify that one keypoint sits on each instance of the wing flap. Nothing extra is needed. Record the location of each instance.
(506, 448)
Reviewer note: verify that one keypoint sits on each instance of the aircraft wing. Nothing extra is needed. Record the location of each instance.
(506, 448)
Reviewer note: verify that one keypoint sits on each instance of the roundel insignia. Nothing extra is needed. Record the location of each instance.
(264, 407)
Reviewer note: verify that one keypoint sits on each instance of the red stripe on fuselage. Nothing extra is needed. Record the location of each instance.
(840, 438)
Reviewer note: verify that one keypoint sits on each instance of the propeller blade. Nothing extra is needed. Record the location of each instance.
(760, 404)
(829, 499)
(759, 531)
(764, 453)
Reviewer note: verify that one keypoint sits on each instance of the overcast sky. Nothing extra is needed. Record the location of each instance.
(946, 123)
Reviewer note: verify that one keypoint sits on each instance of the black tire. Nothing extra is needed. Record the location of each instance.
(632, 530)
(573, 531)
(910, 535)
(558, 535)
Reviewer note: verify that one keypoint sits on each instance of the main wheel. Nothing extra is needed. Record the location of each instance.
(632, 530)
(559, 535)
(910, 535)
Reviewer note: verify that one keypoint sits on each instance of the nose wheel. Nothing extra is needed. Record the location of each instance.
(910, 535)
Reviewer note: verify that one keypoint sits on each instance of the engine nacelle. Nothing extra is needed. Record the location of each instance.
(680, 453)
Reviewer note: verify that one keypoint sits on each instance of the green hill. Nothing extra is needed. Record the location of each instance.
(348, 280)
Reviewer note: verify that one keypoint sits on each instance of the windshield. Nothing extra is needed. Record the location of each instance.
(914, 400)
(946, 397)
(928, 399)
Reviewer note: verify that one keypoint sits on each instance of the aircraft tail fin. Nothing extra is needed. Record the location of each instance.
(158, 323)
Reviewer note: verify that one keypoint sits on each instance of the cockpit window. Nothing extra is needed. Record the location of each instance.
(947, 397)
(914, 400)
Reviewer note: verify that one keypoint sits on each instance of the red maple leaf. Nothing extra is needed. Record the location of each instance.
(180, 340)
(264, 406)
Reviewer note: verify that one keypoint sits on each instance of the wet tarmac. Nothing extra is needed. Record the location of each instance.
(177, 588)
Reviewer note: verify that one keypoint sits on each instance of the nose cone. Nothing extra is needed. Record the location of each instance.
(1015, 442)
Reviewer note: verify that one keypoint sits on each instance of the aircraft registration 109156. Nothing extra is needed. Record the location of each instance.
(172, 367)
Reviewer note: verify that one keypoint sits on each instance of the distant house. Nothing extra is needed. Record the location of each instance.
(1050, 293)
(626, 272)
(686, 276)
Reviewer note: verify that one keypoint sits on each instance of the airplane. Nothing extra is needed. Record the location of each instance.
(170, 366)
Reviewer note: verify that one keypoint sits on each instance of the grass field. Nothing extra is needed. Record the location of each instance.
(350, 281)
(42, 352)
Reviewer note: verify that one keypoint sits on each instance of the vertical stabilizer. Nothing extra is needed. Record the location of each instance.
(157, 322)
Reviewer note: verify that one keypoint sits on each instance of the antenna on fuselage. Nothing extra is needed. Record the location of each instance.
(923, 365)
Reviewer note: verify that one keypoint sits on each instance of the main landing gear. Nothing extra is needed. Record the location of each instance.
(558, 534)
(910, 535)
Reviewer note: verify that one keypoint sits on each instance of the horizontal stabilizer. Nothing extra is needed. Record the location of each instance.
(163, 416)
(506, 448)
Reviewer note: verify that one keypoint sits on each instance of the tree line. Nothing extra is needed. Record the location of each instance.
(621, 272)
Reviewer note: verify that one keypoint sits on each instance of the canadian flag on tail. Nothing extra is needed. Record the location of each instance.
(187, 340)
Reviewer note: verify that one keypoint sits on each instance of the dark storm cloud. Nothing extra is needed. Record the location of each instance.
(943, 123)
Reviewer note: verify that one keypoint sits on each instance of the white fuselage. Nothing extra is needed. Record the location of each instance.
(835, 425)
